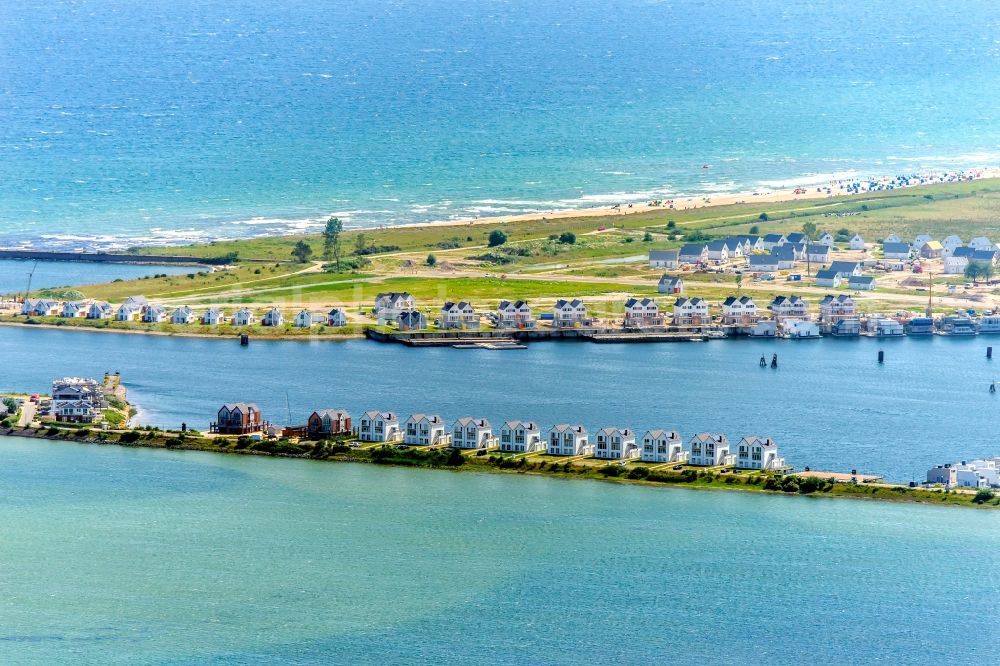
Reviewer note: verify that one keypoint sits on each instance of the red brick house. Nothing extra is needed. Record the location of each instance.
(326, 422)
(239, 418)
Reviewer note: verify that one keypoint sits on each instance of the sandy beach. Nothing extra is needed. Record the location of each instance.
(826, 190)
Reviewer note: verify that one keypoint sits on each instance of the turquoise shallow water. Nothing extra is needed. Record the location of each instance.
(14, 273)
(124, 556)
(177, 120)
(829, 405)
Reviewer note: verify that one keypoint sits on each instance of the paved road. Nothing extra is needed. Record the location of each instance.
(28, 410)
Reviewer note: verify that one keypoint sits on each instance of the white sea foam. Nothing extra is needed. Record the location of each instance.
(811, 179)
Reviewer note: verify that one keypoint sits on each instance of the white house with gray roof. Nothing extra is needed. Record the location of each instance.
(213, 317)
(758, 453)
(857, 242)
(244, 317)
(424, 430)
(336, 317)
(128, 312)
(708, 450)
(771, 241)
(273, 317)
(472, 433)
(389, 305)
(568, 440)
(663, 446)
(834, 308)
(154, 314)
(764, 263)
(520, 437)
(615, 444)
(100, 310)
(664, 258)
(74, 309)
(981, 243)
(896, 251)
(693, 253)
(376, 426)
(182, 315)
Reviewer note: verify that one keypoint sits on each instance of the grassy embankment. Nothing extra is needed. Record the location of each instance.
(600, 266)
(339, 450)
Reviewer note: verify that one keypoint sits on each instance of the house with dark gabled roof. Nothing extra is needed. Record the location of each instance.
(772, 241)
(514, 314)
(739, 311)
(459, 316)
(763, 263)
(861, 282)
(328, 422)
(570, 314)
(818, 253)
(896, 251)
(691, 312)
(846, 269)
(789, 307)
(834, 308)
(797, 237)
(664, 258)
(411, 320)
(786, 255)
(828, 278)
(718, 251)
(238, 418)
(693, 253)
(670, 285)
(641, 312)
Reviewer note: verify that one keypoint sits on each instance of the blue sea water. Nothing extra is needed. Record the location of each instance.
(14, 273)
(830, 405)
(181, 120)
(131, 556)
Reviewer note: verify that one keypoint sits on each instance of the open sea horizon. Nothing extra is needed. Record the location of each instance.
(177, 122)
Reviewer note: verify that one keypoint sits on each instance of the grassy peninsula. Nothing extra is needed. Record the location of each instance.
(599, 259)
(635, 472)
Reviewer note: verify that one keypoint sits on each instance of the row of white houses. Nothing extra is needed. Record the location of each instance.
(137, 308)
(612, 443)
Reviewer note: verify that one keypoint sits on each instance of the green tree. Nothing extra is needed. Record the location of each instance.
(331, 240)
(809, 229)
(755, 230)
(567, 238)
(360, 243)
(302, 252)
(647, 237)
(976, 270)
(497, 237)
(431, 260)
(763, 217)
(671, 224)
(739, 281)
